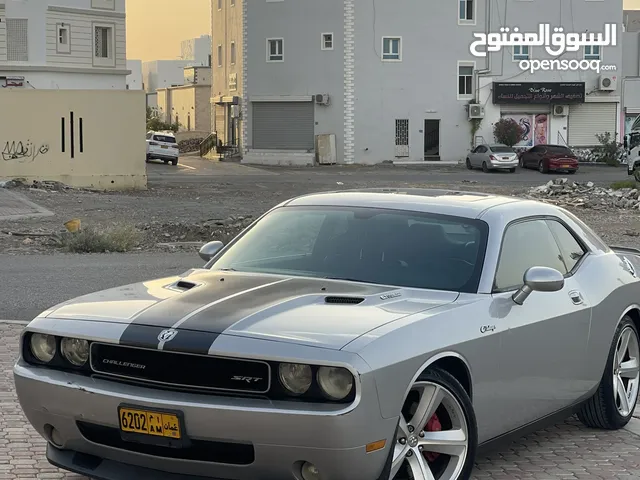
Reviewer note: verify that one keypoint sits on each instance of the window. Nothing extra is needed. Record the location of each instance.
(232, 53)
(592, 52)
(364, 244)
(465, 81)
(63, 44)
(17, 39)
(481, 149)
(219, 55)
(233, 3)
(526, 244)
(520, 52)
(219, 4)
(165, 138)
(103, 45)
(275, 50)
(501, 149)
(327, 41)
(391, 49)
(570, 249)
(466, 12)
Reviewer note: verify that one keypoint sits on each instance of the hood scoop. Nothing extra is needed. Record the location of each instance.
(182, 285)
(337, 300)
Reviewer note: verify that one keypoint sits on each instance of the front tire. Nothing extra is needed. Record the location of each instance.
(613, 404)
(437, 434)
(469, 166)
(512, 170)
(542, 168)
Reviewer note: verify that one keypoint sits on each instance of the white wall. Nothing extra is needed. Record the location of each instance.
(163, 73)
(134, 79)
(71, 81)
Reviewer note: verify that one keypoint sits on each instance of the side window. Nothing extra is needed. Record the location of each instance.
(570, 249)
(535, 150)
(481, 149)
(525, 245)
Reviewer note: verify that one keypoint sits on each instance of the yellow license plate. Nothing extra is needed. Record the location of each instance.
(565, 166)
(148, 422)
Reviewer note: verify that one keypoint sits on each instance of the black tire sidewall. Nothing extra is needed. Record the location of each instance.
(468, 163)
(448, 381)
(607, 378)
(485, 169)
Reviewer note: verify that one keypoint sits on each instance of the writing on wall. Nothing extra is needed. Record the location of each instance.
(23, 151)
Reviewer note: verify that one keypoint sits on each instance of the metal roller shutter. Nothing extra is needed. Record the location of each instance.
(532, 109)
(283, 125)
(587, 119)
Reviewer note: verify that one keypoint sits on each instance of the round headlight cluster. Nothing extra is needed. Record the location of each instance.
(76, 351)
(43, 347)
(335, 383)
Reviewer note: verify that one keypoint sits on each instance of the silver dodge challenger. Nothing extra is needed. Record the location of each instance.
(356, 335)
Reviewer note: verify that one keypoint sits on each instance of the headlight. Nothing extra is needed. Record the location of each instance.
(43, 347)
(336, 383)
(76, 351)
(295, 377)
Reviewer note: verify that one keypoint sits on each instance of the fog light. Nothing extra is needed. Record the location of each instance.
(53, 436)
(310, 471)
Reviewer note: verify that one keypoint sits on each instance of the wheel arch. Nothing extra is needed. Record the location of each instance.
(453, 363)
(634, 312)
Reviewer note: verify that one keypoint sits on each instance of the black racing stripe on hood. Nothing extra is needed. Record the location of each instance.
(220, 317)
(188, 341)
(215, 286)
(141, 336)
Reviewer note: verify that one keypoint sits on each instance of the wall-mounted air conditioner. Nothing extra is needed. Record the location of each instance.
(476, 111)
(608, 83)
(561, 110)
(322, 98)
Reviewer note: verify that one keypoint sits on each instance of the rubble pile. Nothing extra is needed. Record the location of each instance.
(564, 192)
(190, 145)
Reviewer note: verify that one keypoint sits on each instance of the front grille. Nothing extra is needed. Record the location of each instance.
(181, 370)
(199, 450)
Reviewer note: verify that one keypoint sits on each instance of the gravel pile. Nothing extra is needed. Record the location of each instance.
(191, 145)
(564, 192)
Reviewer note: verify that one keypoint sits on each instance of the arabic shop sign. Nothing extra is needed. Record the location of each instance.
(555, 43)
(538, 93)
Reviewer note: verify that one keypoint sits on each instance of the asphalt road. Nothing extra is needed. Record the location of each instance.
(33, 283)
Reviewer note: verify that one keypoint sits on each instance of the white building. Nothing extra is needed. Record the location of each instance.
(63, 44)
(197, 51)
(163, 74)
(134, 79)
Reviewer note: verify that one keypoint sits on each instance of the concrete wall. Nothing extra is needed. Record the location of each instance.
(187, 101)
(163, 74)
(106, 149)
(227, 28)
(134, 79)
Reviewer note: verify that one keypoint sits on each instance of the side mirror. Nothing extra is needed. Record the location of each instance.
(209, 250)
(539, 279)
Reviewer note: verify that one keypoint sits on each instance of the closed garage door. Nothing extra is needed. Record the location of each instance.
(588, 119)
(283, 126)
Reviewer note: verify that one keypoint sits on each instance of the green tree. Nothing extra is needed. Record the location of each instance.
(508, 132)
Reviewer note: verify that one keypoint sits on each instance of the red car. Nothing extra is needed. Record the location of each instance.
(549, 158)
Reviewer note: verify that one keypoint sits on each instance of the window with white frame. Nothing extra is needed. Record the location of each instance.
(103, 45)
(466, 11)
(232, 53)
(327, 41)
(520, 52)
(275, 52)
(219, 55)
(465, 81)
(391, 49)
(63, 41)
(592, 52)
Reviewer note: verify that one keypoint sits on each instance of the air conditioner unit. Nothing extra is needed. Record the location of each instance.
(322, 98)
(561, 110)
(608, 83)
(235, 111)
(476, 111)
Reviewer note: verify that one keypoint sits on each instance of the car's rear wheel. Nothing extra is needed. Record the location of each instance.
(468, 162)
(613, 404)
(437, 434)
(174, 162)
(485, 169)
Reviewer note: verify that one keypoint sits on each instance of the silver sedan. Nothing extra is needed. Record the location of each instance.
(492, 157)
(355, 335)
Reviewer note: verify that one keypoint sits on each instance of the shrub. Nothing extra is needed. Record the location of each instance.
(508, 132)
(122, 238)
(609, 151)
(619, 185)
(157, 125)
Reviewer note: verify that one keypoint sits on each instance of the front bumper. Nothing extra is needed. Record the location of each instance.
(280, 435)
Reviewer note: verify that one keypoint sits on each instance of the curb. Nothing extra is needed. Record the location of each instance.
(633, 426)
(14, 322)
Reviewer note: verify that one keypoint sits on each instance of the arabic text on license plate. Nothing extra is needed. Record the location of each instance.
(147, 422)
(163, 146)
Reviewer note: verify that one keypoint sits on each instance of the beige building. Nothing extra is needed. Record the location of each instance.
(188, 104)
(227, 68)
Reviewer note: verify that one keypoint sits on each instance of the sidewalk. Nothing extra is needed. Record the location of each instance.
(14, 206)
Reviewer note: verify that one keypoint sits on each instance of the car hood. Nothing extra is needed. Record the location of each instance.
(309, 311)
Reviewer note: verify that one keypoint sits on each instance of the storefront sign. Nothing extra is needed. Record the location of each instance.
(538, 93)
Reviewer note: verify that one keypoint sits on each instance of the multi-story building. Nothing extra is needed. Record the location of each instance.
(63, 44)
(227, 69)
(158, 74)
(197, 51)
(396, 84)
(134, 79)
(188, 104)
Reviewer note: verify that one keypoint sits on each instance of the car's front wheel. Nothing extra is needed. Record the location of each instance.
(437, 435)
(468, 163)
(613, 404)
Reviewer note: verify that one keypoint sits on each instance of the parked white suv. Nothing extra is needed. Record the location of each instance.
(162, 146)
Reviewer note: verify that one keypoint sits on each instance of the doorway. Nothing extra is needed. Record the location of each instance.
(432, 140)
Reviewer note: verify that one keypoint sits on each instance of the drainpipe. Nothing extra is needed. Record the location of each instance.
(487, 70)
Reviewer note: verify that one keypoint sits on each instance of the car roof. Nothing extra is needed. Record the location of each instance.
(446, 202)
(166, 134)
(492, 145)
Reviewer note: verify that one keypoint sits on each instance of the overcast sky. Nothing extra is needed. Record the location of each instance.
(155, 28)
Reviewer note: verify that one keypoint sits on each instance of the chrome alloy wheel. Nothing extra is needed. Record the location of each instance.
(432, 439)
(626, 371)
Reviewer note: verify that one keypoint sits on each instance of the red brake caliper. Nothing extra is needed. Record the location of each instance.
(433, 425)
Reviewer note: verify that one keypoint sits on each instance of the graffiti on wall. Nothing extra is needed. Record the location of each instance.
(23, 151)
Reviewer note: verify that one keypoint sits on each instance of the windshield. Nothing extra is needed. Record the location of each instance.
(501, 149)
(164, 138)
(369, 245)
(559, 150)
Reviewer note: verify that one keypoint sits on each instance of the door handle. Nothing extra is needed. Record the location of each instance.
(576, 297)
